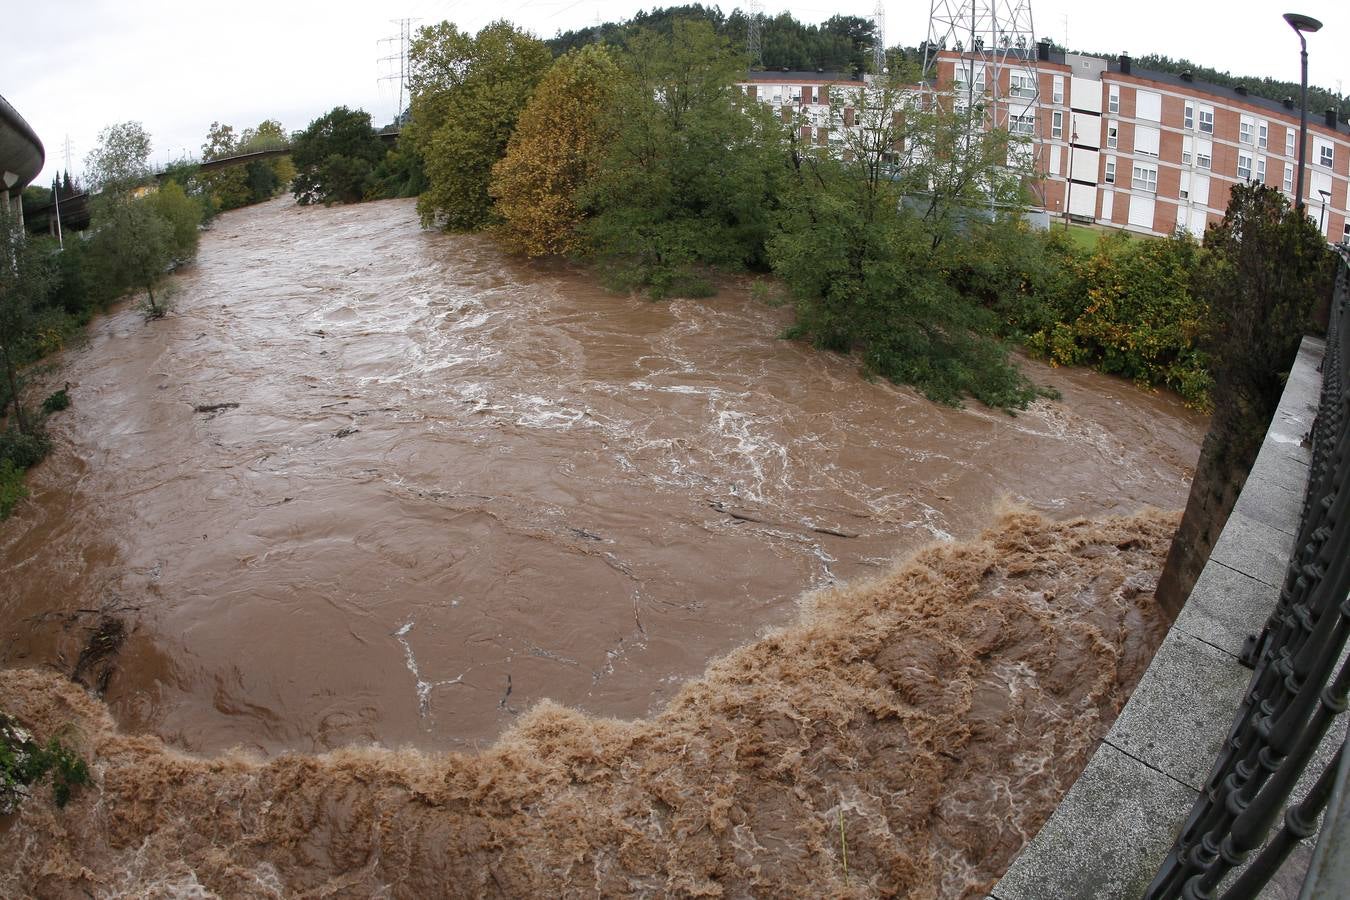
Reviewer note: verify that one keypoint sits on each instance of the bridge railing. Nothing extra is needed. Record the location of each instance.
(1298, 687)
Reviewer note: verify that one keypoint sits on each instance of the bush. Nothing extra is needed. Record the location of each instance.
(12, 488)
(56, 402)
(23, 451)
(1127, 308)
(24, 762)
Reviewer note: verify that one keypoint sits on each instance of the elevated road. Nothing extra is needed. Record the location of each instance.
(21, 153)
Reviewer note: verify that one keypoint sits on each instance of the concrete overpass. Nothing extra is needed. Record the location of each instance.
(75, 208)
(21, 155)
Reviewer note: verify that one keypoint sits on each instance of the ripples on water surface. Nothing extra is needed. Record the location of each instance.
(454, 485)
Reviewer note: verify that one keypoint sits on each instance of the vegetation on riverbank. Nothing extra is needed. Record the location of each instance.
(47, 293)
(643, 158)
(25, 763)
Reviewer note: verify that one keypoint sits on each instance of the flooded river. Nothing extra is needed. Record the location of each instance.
(369, 483)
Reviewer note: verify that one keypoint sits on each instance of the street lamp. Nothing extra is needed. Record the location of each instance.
(1322, 220)
(1302, 24)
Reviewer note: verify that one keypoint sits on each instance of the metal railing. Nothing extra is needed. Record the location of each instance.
(1298, 685)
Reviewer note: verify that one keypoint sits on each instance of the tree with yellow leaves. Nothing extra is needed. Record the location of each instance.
(555, 149)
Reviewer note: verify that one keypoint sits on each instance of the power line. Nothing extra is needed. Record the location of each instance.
(404, 40)
(752, 34)
(879, 40)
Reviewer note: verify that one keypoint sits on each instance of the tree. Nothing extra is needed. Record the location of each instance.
(868, 237)
(132, 247)
(466, 96)
(183, 215)
(227, 186)
(1268, 266)
(266, 176)
(691, 174)
(334, 157)
(554, 151)
(25, 274)
(121, 160)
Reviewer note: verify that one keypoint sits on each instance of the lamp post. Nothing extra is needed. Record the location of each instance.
(1302, 24)
(1322, 220)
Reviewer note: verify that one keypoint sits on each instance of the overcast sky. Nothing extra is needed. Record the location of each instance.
(73, 66)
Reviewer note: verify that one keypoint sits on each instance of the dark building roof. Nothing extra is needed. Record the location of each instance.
(772, 75)
(1315, 117)
(20, 150)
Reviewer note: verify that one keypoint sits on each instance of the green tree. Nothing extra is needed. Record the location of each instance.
(183, 215)
(466, 96)
(25, 274)
(121, 160)
(1267, 268)
(132, 247)
(693, 168)
(334, 157)
(554, 151)
(265, 177)
(228, 186)
(869, 237)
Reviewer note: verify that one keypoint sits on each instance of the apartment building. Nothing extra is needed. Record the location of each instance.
(1154, 152)
(1145, 151)
(808, 94)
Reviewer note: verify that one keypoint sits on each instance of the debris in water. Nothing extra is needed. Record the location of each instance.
(213, 409)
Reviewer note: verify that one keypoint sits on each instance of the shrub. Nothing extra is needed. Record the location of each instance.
(24, 762)
(23, 450)
(12, 488)
(56, 402)
(1129, 309)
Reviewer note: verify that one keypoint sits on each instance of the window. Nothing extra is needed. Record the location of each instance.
(1325, 155)
(1022, 124)
(1187, 149)
(1204, 153)
(1289, 142)
(1022, 84)
(1185, 193)
(1246, 130)
(1110, 170)
(1262, 135)
(1244, 167)
(1057, 124)
(1146, 140)
(1189, 116)
(1288, 178)
(1113, 99)
(1261, 169)
(796, 93)
(1207, 119)
(1145, 177)
(1058, 95)
(1148, 106)
(1112, 135)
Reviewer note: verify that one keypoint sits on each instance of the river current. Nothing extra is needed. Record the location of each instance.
(370, 483)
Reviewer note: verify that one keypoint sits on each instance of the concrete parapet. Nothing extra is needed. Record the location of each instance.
(1116, 824)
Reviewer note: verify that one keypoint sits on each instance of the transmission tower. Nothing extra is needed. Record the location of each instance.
(998, 45)
(879, 40)
(404, 41)
(752, 34)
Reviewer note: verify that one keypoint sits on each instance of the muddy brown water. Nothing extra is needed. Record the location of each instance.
(369, 483)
